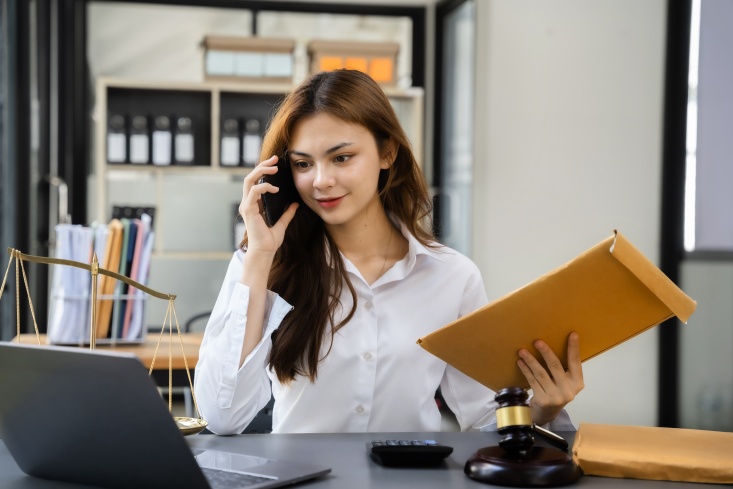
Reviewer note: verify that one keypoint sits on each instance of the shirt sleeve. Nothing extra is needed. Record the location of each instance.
(228, 397)
(473, 403)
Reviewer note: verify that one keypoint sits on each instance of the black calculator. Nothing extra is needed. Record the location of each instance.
(407, 453)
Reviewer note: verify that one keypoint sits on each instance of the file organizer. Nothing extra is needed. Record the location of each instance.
(124, 246)
(186, 425)
(78, 335)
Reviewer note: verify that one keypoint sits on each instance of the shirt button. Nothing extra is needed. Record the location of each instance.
(368, 305)
(367, 356)
(359, 409)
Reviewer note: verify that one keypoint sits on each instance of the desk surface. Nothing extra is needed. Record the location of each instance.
(351, 468)
(146, 351)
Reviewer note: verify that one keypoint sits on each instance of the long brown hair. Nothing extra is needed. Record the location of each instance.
(308, 270)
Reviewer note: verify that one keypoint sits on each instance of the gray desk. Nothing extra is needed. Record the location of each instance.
(346, 455)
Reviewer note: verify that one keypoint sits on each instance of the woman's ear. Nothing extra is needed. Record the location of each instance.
(390, 153)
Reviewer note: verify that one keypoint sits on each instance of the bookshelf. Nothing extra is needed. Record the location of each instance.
(195, 204)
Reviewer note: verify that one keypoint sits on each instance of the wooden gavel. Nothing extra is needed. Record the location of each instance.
(517, 461)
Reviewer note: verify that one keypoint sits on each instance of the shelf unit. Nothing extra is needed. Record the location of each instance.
(195, 204)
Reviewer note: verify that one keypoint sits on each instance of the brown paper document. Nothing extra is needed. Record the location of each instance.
(608, 294)
(641, 452)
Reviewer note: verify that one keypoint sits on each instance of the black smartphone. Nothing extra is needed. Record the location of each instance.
(274, 205)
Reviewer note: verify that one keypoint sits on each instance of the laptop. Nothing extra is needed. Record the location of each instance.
(96, 418)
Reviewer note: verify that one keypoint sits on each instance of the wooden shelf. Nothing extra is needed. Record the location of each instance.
(193, 169)
(195, 204)
(193, 255)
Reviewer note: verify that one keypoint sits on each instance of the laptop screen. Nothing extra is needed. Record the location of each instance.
(97, 418)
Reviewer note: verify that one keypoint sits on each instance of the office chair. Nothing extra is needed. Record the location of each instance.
(192, 323)
(262, 422)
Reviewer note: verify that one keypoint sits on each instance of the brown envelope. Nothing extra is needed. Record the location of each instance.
(642, 452)
(608, 294)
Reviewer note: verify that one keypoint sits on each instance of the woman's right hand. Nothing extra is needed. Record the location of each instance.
(261, 237)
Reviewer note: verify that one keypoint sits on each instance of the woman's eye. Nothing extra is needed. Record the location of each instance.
(300, 165)
(342, 158)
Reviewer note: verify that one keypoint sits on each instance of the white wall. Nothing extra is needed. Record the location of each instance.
(569, 146)
(155, 42)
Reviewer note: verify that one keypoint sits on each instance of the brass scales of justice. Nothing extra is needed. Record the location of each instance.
(187, 426)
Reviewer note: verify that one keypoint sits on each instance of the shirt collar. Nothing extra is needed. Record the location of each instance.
(415, 247)
(403, 268)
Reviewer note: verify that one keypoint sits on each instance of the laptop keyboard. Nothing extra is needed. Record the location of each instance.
(223, 479)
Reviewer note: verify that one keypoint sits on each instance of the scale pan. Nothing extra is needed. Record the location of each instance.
(190, 426)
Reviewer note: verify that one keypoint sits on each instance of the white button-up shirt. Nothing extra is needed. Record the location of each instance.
(375, 376)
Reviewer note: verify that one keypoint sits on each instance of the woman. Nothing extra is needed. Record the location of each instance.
(323, 309)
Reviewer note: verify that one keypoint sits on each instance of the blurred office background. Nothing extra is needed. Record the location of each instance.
(543, 126)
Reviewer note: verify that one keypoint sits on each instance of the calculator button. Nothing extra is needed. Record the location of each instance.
(378, 443)
(405, 442)
(418, 442)
(431, 442)
(392, 443)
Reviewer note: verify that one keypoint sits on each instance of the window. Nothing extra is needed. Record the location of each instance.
(454, 175)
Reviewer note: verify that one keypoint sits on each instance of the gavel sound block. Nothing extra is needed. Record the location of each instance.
(516, 461)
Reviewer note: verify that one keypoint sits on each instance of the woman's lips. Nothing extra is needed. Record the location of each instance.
(330, 203)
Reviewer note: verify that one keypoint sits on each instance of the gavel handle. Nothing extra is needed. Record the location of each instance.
(553, 438)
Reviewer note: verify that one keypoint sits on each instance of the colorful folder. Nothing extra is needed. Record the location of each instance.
(106, 284)
(134, 274)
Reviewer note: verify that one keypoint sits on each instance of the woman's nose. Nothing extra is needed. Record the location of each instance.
(324, 177)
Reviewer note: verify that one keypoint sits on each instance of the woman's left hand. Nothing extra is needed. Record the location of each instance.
(554, 389)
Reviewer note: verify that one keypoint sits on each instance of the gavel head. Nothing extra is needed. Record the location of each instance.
(514, 421)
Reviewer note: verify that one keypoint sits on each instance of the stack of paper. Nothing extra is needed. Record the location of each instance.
(70, 286)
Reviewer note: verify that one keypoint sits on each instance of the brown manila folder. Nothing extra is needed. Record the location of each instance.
(608, 294)
(646, 452)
